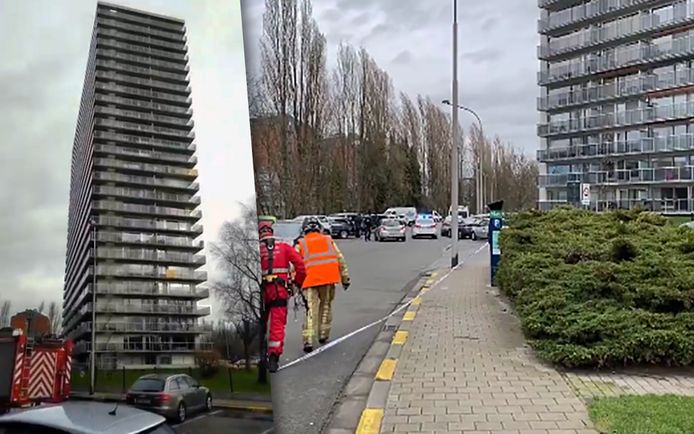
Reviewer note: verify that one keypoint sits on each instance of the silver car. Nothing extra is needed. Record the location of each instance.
(479, 230)
(83, 417)
(392, 229)
(172, 396)
(689, 225)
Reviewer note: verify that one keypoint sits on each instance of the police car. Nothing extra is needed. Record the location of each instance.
(424, 226)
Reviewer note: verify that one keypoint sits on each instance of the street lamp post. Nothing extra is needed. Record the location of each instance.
(454, 144)
(92, 352)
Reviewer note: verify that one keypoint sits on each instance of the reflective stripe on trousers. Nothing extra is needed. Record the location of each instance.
(319, 317)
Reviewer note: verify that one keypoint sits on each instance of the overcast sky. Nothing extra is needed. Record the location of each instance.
(412, 40)
(45, 44)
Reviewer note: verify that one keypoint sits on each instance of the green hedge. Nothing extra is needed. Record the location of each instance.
(601, 289)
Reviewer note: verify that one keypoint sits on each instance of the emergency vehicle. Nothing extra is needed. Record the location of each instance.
(33, 370)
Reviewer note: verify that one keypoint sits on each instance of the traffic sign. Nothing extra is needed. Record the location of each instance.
(585, 194)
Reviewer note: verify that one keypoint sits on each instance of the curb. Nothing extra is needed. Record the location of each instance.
(372, 415)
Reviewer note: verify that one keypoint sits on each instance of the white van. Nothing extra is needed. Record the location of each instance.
(409, 212)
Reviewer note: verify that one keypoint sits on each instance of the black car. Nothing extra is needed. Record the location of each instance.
(341, 228)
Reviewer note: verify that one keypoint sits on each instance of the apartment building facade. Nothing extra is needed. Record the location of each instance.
(133, 224)
(617, 103)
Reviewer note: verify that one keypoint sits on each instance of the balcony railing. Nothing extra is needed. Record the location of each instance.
(139, 327)
(144, 116)
(142, 39)
(143, 60)
(148, 129)
(106, 205)
(148, 224)
(645, 145)
(175, 56)
(151, 272)
(150, 347)
(147, 141)
(581, 12)
(149, 181)
(622, 176)
(618, 58)
(112, 99)
(626, 118)
(140, 288)
(142, 29)
(109, 87)
(149, 255)
(110, 75)
(114, 64)
(177, 28)
(631, 86)
(668, 206)
(599, 35)
(146, 194)
(146, 167)
(151, 308)
(140, 153)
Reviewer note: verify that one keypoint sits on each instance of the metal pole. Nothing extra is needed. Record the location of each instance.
(92, 356)
(454, 144)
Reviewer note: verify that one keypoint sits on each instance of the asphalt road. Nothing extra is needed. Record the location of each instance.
(304, 394)
(226, 422)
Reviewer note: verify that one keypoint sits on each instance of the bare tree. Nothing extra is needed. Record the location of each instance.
(55, 317)
(42, 306)
(5, 313)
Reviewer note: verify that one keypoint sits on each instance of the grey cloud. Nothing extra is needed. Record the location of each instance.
(403, 57)
(482, 55)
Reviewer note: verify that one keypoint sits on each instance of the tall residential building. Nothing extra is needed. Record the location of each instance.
(133, 217)
(617, 103)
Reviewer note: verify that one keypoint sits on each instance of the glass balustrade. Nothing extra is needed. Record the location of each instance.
(106, 205)
(119, 150)
(664, 144)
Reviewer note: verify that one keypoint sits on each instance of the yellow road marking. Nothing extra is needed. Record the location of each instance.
(428, 283)
(434, 274)
(400, 337)
(417, 301)
(370, 421)
(424, 290)
(409, 316)
(386, 370)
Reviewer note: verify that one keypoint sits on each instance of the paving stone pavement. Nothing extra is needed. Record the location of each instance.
(465, 369)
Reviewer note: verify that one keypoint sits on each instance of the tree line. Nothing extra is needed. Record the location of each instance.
(328, 140)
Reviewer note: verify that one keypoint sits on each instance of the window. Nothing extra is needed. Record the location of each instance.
(182, 383)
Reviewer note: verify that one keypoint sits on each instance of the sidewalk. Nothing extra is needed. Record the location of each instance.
(248, 404)
(464, 368)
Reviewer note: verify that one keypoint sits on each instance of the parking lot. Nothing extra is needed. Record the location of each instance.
(227, 421)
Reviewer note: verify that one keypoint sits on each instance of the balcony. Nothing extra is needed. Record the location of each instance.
(584, 12)
(661, 175)
(150, 155)
(149, 105)
(176, 37)
(641, 116)
(139, 327)
(136, 193)
(142, 39)
(633, 86)
(185, 124)
(645, 145)
(142, 289)
(110, 75)
(151, 272)
(143, 60)
(126, 254)
(151, 309)
(177, 28)
(148, 210)
(153, 225)
(178, 184)
(618, 58)
(150, 347)
(597, 36)
(175, 56)
(119, 66)
(129, 139)
(146, 129)
(110, 87)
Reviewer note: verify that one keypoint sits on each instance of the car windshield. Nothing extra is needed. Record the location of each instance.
(148, 385)
(287, 231)
(391, 223)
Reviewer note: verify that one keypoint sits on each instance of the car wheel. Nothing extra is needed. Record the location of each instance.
(435, 237)
(344, 234)
(473, 236)
(208, 403)
(181, 413)
(403, 239)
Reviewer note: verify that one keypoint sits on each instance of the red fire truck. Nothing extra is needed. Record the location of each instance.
(33, 369)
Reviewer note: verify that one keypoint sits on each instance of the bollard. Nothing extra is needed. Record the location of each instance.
(231, 381)
(123, 371)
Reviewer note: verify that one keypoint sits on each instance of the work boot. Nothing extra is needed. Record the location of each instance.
(273, 363)
(322, 340)
(308, 348)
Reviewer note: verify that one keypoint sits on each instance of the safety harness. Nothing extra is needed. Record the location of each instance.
(270, 278)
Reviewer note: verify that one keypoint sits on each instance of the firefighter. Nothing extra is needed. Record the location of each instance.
(275, 261)
(325, 268)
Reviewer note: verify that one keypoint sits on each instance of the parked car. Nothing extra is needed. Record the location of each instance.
(391, 229)
(288, 231)
(688, 225)
(480, 230)
(172, 396)
(424, 226)
(341, 228)
(83, 417)
(437, 217)
(446, 227)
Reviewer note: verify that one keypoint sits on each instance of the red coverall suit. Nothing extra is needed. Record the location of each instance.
(275, 259)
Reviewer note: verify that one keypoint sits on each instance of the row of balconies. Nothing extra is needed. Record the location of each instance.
(660, 175)
(112, 99)
(149, 210)
(668, 206)
(141, 288)
(173, 37)
(644, 145)
(162, 257)
(117, 307)
(140, 327)
(151, 155)
(137, 193)
(583, 12)
(146, 168)
(619, 119)
(166, 145)
(144, 128)
(116, 65)
(596, 36)
(144, 60)
(141, 39)
(150, 240)
(617, 58)
(178, 27)
(145, 93)
(131, 80)
(175, 56)
(151, 272)
(630, 86)
(147, 347)
(147, 181)
(149, 225)
(145, 116)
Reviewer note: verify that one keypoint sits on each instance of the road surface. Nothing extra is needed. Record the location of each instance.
(226, 422)
(304, 394)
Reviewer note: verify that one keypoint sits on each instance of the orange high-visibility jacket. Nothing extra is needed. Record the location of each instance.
(321, 259)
